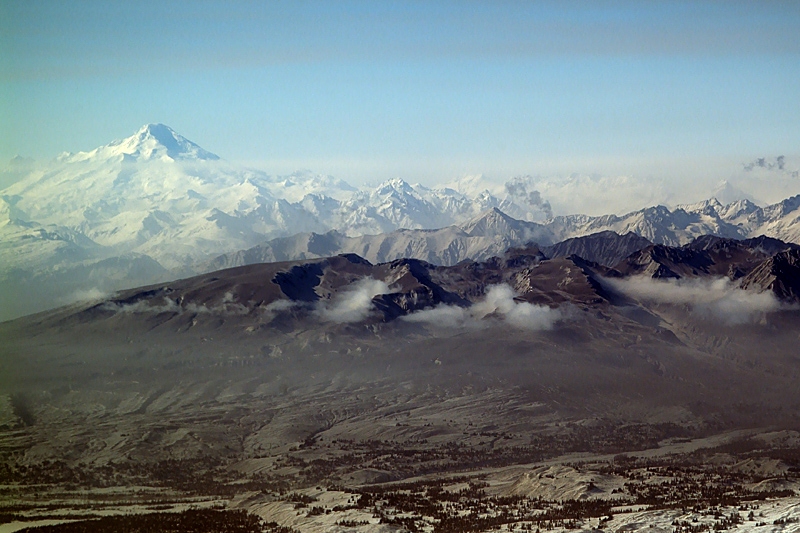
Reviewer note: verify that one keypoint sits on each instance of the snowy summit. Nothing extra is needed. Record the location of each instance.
(151, 142)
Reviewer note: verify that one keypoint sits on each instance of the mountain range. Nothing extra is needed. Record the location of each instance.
(545, 276)
(314, 358)
(156, 206)
(600, 373)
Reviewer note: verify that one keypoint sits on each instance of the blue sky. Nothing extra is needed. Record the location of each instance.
(426, 91)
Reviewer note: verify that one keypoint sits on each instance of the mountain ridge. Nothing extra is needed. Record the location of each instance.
(337, 375)
(407, 285)
(160, 195)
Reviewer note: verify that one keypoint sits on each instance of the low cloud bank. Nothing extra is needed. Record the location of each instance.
(353, 304)
(279, 305)
(168, 305)
(499, 305)
(719, 300)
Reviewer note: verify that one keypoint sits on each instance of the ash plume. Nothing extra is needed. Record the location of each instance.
(778, 164)
(517, 188)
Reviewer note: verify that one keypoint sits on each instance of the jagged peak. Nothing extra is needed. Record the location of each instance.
(793, 201)
(703, 206)
(495, 222)
(743, 202)
(394, 184)
(494, 212)
(782, 208)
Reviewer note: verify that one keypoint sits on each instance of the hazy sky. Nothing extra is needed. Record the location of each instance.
(422, 90)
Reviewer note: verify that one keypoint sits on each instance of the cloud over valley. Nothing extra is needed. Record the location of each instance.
(499, 305)
(718, 300)
(353, 304)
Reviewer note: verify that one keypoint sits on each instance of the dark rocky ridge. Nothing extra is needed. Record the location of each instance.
(705, 256)
(232, 383)
(480, 240)
(606, 247)
(760, 264)
(779, 274)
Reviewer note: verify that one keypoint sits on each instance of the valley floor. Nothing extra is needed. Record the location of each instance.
(737, 480)
(115, 421)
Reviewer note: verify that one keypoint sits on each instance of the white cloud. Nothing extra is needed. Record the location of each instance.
(144, 306)
(446, 316)
(270, 310)
(599, 195)
(353, 304)
(719, 299)
(85, 295)
(498, 304)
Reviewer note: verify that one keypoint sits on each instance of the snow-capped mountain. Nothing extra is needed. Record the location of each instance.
(299, 185)
(151, 142)
(155, 193)
(492, 232)
(159, 194)
(489, 234)
(658, 224)
(159, 205)
(781, 220)
(676, 227)
(396, 204)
